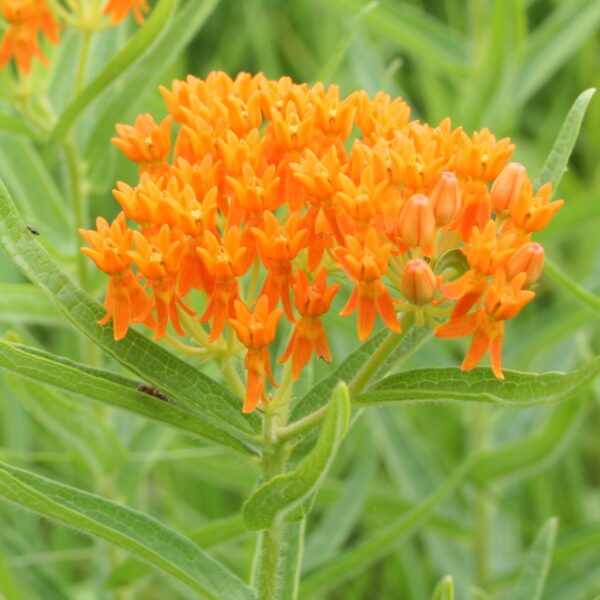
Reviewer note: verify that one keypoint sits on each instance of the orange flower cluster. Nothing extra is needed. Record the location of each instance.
(27, 18)
(276, 187)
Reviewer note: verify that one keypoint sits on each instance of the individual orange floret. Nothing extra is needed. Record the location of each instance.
(256, 330)
(119, 9)
(278, 246)
(481, 156)
(225, 261)
(366, 263)
(532, 212)
(380, 117)
(334, 117)
(311, 301)
(126, 301)
(503, 301)
(486, 252)
(146, 143)
(158, 260)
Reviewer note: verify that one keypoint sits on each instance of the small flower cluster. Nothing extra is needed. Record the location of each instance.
(277, 186)
(28, 18)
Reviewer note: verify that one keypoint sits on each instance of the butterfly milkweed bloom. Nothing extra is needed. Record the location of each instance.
(253, 194)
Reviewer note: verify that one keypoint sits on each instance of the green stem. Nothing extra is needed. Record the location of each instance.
(84, 53)
(271, 542)
(481, 508)
(292, 562)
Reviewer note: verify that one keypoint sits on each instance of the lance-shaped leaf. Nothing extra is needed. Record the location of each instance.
(532, 579)
(479, 385)
(143, 536)
(556, 163)
(134, 48)
(289, 494)
(108, 388)
(180, 380)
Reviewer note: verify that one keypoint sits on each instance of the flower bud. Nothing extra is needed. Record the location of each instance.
(417, 221)
(507, 187)
(445, 198)
(529, 259)
(418, 282)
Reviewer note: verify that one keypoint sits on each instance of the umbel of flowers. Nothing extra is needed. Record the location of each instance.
(271, 190)
(30, 21)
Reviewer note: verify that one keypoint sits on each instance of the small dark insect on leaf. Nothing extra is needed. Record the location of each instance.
(151, 391)
(32, 230)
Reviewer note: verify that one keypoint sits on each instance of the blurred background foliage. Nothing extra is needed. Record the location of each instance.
(514, 66)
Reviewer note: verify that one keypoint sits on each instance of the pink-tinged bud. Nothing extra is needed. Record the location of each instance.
(445, 198)
(417, 221)
(529, 260)
(507, 187)
(418, 282)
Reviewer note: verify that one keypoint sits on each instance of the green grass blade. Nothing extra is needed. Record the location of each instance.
(534, 451)
(556, 274)
(415, 32)
(8, 586)
(287, 495)
(134, 48)
(444, 590)
(110, 390)
(381, 542)
(143, 536)
(554, 42)
(147, 74)
(154, 364)
(479, 385)
(530, 585)
(340, 519)
(24, 303)
(556, 163)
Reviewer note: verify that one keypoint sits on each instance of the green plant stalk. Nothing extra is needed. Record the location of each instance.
(271, 546)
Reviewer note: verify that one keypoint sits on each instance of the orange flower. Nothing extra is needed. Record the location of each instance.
(278, 246)
(366, 264)
(158, 260)
(146, 143)
(126, 301)
(224, 262)
(503, 301)
(119, 9)
(256, 330)
(309, 334)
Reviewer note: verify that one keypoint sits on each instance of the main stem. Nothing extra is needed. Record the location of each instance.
(271, 542)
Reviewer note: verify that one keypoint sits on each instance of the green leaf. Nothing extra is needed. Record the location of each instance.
(143, 536)
(363, 554)
(556, 274)
(24, 303)
(415, 32)
(556, 163)
(181, 381)
(402, 346)
(134, 48)
(147, 74)
(444, 590)
(15, 124)
(110, 389)
(553, 42)
(530, 585)
(479, 385)
(284, 495)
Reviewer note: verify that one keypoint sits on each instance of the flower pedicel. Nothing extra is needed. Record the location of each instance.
(267, 195)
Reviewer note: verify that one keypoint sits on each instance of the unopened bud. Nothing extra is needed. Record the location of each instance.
(507, 187)
(417, 221)
(418, 282)
(529, 260)
(445, 198)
